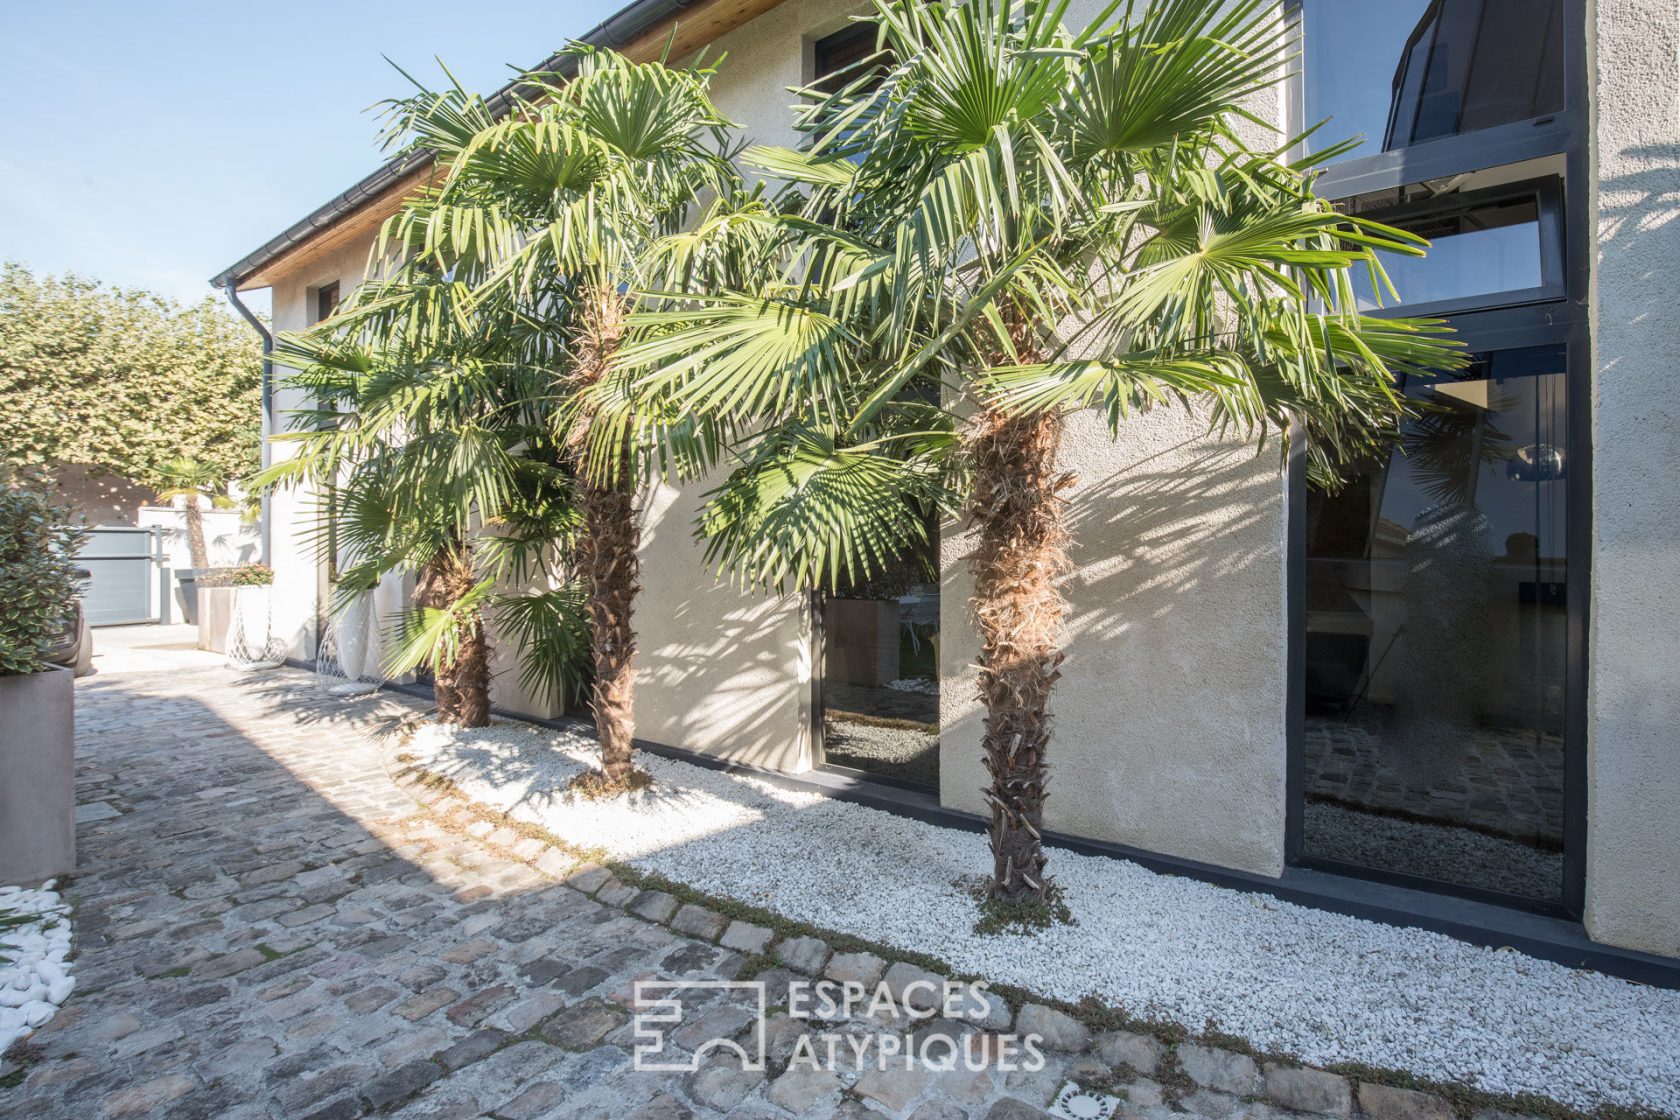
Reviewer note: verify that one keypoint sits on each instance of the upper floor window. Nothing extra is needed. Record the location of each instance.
(835, 57)
(326, 301)
(1405, 72)
(1493, 243)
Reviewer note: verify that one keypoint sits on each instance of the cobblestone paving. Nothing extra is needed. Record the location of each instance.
(269, 925)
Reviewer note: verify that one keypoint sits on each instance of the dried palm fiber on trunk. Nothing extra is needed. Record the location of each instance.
(609, 554)
(460, 685)
(1021, 553)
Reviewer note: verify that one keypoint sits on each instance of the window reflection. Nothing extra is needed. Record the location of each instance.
(880, 666)
(1402, 72)
(1436, 627)
(1478, 250)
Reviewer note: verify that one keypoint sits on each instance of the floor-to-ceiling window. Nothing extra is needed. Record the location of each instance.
(879, 694)
(878, 640)
(1439, 593)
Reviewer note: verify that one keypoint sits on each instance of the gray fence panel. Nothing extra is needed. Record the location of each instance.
(123, 569)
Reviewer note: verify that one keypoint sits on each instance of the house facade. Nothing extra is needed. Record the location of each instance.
(1448, 687)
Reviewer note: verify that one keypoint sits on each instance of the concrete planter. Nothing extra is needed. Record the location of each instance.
(38, 761)
(188, 579)
(215, 616)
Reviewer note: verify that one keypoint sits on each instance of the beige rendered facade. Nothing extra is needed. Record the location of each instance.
(1173, 717)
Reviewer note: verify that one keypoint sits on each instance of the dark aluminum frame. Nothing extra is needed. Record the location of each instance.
(1564, 319)
(1547, 194)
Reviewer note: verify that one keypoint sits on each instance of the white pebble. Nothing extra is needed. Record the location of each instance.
(1326, 987)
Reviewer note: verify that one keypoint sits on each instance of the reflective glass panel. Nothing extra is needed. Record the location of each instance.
(1402, 72)
(880, 684)
(1436, 639)
(1478, 251)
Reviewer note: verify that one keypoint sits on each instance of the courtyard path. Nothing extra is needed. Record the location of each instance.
(267, 925)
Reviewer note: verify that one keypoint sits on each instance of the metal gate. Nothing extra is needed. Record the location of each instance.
(125, 567)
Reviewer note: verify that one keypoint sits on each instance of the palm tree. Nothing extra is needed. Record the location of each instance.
(190, 480)
(551, 218)
(440, 461)
(1027, 220)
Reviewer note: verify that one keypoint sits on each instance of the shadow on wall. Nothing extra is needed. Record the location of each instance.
(721, 674)
(1633, 846)
(1169, 728)
(1154, 536)
(103, 499)
(1640, 202)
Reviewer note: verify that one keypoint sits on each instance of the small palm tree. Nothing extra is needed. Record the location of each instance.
(1023, 220)
(550, 219)
(439, 459)
(190, 480)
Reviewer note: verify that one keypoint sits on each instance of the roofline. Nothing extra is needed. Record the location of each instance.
(618, 30)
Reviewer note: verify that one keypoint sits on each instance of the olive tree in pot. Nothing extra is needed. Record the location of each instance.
(38, 588)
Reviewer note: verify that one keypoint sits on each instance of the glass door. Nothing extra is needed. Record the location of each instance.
(879, 658)
(1436, 660)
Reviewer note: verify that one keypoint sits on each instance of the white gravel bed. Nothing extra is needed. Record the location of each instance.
(1323, 986)
(34, 974)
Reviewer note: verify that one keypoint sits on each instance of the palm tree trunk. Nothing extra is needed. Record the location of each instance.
(461, 686)
(1021, 553)
(611, 564)
(195, 533)
(610, 560)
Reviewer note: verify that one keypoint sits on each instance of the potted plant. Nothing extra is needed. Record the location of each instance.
(190, 480)
(215, 592)
(250, 640)
(38, 588)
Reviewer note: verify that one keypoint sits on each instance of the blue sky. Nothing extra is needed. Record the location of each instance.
(155, 143)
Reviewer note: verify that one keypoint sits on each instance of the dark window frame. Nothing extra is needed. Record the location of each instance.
(326, 301)
(1485, 148)
(1547, 191)
(1564, 320)
(838, 52)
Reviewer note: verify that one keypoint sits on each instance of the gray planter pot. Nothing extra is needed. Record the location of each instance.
(188, 579)
(215, 617)
(38, 790)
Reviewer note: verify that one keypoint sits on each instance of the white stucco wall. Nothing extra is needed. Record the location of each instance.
(300, 576)
(720, 671)
(1169, 730)
(1633, 815)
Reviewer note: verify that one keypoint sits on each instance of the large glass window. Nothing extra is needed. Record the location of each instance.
(880, 672)
(1486, 248)
(1436, 639)
(1404, 72)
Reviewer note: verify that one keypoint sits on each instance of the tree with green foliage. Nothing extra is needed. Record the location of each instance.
(439, 460)
(1004, 220)
(122, 380)
(190, 480)
(38, 580)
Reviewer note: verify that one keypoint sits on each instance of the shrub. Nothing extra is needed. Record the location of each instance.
(252, 575)
(38, 581)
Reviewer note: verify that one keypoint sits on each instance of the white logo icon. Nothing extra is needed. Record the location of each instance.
(660, 1012)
